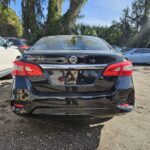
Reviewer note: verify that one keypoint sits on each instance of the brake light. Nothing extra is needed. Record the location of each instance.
(119, 69)
(19, 105)
(25, 69)
(23, 47)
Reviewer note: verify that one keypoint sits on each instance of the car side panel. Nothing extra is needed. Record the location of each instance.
(135, 58)
(146, 58)
(7, 56)
(4, 59)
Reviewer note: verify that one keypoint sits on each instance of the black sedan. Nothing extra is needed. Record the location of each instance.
(72, 75)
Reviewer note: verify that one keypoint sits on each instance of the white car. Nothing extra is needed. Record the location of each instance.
(8, 54)
(139, 55)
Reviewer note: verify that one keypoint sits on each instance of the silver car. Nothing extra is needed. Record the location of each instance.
(139, 55)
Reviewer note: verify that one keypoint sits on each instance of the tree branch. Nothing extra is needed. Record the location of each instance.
(69, 18)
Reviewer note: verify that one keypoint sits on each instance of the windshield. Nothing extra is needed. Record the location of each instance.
(71, 43)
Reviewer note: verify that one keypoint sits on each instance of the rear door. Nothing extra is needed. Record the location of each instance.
(4, 65)
(7, 56)
(146, 55)
(136, 56)
(12, 53)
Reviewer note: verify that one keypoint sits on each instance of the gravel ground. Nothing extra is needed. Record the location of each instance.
(128, 132)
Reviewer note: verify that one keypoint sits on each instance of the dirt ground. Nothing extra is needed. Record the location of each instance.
(128, 132)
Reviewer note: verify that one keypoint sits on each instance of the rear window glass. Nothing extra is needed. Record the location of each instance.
(142, 51)
(18, 42)
(15, 42)
(71, 43)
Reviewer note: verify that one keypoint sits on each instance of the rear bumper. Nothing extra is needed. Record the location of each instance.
(99, 107)
(102, 104)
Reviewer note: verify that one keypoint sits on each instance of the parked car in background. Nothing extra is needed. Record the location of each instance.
(8, 54)
(22, 44)
(72, 75)
(117, 48)
(126, 50)
(138, 55)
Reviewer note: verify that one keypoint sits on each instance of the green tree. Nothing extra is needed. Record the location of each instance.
(56, 23)
(62, 24)
(137, 14)
(34, 22)
(10, 24)
(31, 18)
(141, 18)
(5, 3)
(143, 37)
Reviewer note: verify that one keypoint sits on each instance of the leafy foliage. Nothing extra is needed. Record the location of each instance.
(10, 24)
(132, 30)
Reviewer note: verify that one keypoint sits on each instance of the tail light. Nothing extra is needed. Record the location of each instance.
(26, 69)
(19, 105)
(23, 47)
(125, 107)
(119, 69)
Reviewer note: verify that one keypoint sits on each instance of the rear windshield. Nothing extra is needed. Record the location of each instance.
(15, 42)
(71, 43)
(18, 42)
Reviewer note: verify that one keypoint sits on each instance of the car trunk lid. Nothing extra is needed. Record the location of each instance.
(61, 74)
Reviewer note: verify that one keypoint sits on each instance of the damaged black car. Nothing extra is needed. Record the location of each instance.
(72, 75)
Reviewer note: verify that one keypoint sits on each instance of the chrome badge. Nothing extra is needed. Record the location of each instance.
(73, 59)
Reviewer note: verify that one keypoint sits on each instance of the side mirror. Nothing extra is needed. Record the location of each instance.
(9, 44)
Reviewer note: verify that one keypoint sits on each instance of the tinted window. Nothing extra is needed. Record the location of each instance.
(1, 42)
(143, 51)
(138, 51)
(71, 43)
(126, 50)
(15, 42)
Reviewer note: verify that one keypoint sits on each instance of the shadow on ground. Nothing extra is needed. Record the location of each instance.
(44, 133)
(49, 133)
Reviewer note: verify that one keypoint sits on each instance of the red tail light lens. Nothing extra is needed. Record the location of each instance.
(23, 47)
(19, 105)
(119, 69)
(26, 69)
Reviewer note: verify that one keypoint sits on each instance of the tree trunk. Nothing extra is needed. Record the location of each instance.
(69, 18)
(145, 28)
(58, 24)
(142, 38)
(29, 17)
(54, 15)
